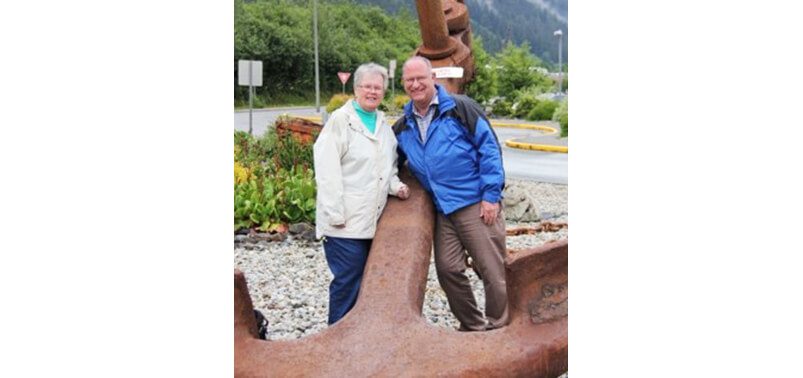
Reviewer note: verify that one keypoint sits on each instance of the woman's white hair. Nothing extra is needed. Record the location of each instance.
(371, 69)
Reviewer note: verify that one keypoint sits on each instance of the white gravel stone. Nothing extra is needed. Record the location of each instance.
(289, 280)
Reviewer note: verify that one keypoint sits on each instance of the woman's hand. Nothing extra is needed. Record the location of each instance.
(404, 192)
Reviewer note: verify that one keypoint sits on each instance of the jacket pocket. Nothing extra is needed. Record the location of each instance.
(357, 207)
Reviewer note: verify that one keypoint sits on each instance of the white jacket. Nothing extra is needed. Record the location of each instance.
(354, 171)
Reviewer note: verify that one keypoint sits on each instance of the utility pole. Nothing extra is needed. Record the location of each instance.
(250, 96)
(392, 74)
(317, 79)
(559, 33)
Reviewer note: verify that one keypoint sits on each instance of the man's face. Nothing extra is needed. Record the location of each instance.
(418, 83)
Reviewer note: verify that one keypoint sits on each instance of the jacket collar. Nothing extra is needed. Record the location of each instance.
(355, 122)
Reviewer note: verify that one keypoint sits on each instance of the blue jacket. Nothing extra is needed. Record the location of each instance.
(457, 168)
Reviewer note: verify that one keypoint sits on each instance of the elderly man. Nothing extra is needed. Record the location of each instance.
(451, 149)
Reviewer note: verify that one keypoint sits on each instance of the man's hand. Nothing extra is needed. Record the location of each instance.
(488, 212)
(404, 192)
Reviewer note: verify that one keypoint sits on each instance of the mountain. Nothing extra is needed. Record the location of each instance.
(499, 21)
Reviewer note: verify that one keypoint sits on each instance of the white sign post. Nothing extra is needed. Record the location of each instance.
(249, 73)
(391, 74)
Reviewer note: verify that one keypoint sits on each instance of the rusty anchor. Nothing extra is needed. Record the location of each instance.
(446, 39)
(385, 333)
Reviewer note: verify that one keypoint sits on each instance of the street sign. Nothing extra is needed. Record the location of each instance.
(392, 69)
(249, 73)
(448, 72)
(344, 77)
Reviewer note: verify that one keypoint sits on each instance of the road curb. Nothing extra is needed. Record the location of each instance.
(539, 147)
(512, 143)
(547, 129)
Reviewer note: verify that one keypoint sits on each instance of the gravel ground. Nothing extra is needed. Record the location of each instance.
(289, 280)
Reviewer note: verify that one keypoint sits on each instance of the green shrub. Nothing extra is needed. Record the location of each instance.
(289, 153)
(273, 150)
(336, 102)
(562, 117)
(524, 104)
(282, 197)
(258, 101)
(400, 100)
(501, 107)
(249, 149)
(394, 106)
(274, 181)
(543, 110)
(299, 196)
(383, 106)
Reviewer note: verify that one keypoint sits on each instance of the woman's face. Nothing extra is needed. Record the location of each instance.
(370, 92)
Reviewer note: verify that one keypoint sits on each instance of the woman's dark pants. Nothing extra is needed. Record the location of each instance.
(346, 259)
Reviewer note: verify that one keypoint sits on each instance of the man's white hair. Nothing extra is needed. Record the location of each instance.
(418, 59)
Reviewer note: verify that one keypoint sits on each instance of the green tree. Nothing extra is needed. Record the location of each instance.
(279, 33)
(484, 86)
(520, 69)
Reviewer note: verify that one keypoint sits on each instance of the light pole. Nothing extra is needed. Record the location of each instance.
(559, 33)
(317, 80)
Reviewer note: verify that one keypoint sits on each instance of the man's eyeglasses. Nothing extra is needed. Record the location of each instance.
(372, 88)
(412, 80)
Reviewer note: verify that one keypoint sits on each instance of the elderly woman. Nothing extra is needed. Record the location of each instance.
(355, 169)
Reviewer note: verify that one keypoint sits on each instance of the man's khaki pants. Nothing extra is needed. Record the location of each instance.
(464, 230)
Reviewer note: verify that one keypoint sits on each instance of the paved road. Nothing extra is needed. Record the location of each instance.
(265, 117)
(540, 166)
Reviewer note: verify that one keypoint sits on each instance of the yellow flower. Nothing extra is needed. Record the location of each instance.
(241, 174)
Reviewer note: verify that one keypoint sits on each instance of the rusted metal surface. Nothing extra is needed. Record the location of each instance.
(446, 39)
(545, 226)
(434, 31)
(303, 130)
(385, 333)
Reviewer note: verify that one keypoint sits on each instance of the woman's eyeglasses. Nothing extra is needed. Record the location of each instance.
(372, 88)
